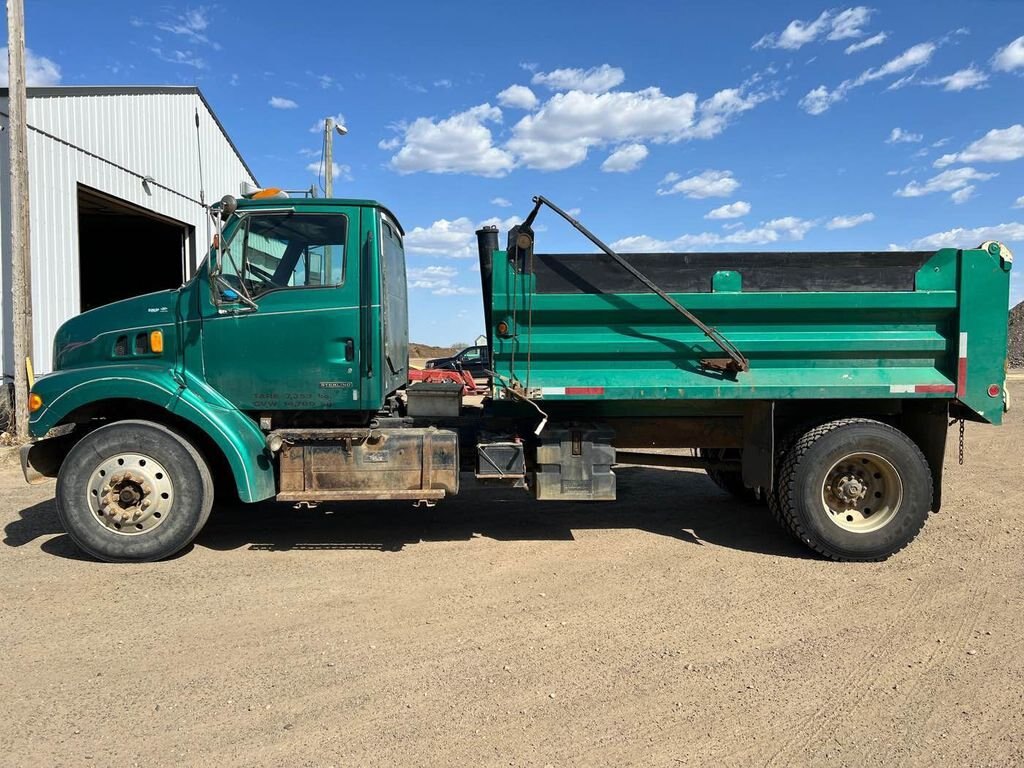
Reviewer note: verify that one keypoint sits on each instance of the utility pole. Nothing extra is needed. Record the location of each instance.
(329, 157)
(21, 277)
(330, 126)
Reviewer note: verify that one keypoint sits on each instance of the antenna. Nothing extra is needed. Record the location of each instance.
(202, 185)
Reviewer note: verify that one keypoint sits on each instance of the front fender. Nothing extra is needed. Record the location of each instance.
(238, 438)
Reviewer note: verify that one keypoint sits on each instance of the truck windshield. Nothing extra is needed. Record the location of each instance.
(286, 250)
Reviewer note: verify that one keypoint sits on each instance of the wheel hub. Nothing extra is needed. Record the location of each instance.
(130, 493)
(862, 492)
(850, 489)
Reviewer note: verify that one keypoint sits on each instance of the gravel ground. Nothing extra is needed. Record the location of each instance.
(1015, 345)
(673, 627)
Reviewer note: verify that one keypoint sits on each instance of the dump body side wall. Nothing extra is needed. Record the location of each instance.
(895, 336)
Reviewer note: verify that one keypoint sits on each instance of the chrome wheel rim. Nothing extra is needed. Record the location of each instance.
(130, 494)
(862, 492)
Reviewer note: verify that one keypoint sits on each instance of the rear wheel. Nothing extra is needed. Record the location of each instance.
(853, 489)
(133, 491)
(730, 482)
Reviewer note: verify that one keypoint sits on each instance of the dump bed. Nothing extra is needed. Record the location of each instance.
(812, 325)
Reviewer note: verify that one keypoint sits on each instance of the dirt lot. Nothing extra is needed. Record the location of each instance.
(673, 627)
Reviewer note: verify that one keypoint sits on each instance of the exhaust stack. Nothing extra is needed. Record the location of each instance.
(487, 244)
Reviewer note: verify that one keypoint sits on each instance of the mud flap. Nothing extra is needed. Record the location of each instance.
(42, 459)
(759, 444)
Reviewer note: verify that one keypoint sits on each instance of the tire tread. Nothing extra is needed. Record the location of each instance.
(780, 501)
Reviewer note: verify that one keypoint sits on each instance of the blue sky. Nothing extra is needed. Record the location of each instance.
(667, 125)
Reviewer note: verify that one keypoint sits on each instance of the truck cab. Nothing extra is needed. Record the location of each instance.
(296, 319)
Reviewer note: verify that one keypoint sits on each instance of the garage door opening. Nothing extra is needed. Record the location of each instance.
(126, 251)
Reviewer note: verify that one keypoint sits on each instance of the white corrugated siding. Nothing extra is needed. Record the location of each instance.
(151, 134)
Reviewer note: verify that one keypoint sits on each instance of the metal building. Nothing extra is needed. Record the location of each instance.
(114, 190)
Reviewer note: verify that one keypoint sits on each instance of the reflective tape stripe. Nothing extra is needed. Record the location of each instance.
(961, 367)
(907, 389)
(572, 390)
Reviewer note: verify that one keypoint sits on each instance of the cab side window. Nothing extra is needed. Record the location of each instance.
(287, 250)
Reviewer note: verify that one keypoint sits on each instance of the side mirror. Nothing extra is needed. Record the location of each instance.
(228, 205)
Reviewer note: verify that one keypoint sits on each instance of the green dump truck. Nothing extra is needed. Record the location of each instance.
(819, 384)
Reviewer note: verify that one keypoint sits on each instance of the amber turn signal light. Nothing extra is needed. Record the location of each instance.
(35, 402)
(503, 328)
(156, 341)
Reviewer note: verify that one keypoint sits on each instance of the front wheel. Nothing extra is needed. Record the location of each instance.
(853, 489)
(133, 491)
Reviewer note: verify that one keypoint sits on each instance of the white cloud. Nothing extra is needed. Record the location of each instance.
(279, 102)
(848, 23)
(433, 271)
(518, 97)
(625, 159)
(819, 99)
(39, 70)
(796, 34)
(719, 109)
(192, 25)
(915, 56)
(707, 184)
(962, 195)
(1000, 145)
(452, 238)
(899, 136)
(870, 42)
(961, 80)
(848, 222)
(830, 25)
(1019, 203)
(501, 202)
(947, 181)
(593, 80)
(1011, 57)
(461, 143)
(729, 210)
(776, 230)
(960, 237)
(437, 279)
(563, 130)
(560, 134)
(337, 171)
(187, 58)
(318, 126)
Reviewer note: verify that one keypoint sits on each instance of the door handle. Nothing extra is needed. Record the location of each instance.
(350, 350)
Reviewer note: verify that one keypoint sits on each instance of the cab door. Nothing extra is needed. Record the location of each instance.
(294, 344)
